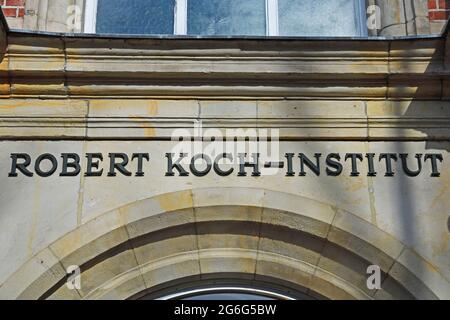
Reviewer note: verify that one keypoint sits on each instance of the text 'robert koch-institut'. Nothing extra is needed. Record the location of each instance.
(271, 149)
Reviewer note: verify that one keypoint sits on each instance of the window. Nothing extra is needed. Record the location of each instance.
(227, 17)
(135, 16)
(316, 18)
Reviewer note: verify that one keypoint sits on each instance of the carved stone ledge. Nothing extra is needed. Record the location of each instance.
(47, 66)
(160, 119)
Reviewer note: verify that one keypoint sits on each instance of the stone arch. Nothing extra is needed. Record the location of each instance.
(254, 234)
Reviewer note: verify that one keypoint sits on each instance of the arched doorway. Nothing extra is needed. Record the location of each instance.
(296, 246)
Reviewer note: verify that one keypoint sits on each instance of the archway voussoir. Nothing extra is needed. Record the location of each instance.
(412, 271)
(155, 206)
(90, 239)
(111, 264)
(171, 268)
(289, 242)
(300, 205)
(278, 267)
(333, 288)
(295, 221)
(345, 265)
(227, 213)
(371, 254)
(223, 231)
(39, 273)
(121, 287)
(64, 293)
(390, 290)
(124, 291)
(228, 234)
(358, 235)
(155, 250)
(228, 260)
(246, 197)
(149, 222)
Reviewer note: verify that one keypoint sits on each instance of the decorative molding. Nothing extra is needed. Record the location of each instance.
(399, 88)
(293, 120)
(86, 67)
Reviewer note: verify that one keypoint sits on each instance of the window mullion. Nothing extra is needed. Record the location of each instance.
(361, 17)
(272, 17)
(90, 17)
(180, 27)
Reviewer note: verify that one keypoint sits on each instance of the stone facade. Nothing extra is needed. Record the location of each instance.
(138, 235)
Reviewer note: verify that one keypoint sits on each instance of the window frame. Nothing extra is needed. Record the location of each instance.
(180, 17)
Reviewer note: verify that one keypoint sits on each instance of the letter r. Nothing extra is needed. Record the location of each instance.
(22, 167)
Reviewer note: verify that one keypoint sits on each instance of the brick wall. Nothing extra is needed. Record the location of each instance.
(13, 8)
(14, 11)
(439, 10)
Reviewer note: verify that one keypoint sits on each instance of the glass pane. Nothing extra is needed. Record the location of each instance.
(226, 17)
(318, 17)
(135, 16)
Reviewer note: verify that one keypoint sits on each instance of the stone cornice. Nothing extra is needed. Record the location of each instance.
(57, 86)
(61, 66)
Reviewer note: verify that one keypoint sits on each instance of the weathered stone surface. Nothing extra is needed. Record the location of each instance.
(310, 225)
(34, 211)
(228, 261)
(224, 213)
(159, 249)
(133, 284)
(107, 269)
(43, 118)
(392, 15)
(329, 286)
(414, 210)
(367, 240)
(130, 234)
(45, 266)
(291, 270)
(64, 293)
(424, 272)
(361, 224)
(173, 268)
(90, 240)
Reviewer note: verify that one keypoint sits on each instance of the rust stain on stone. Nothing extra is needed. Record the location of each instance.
(443, 246)
(171, 202)
(152, 111)
(152, 108)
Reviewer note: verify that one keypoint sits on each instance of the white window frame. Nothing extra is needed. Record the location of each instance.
(272, 18)
(90, 16)
(361, 14)
(180, 17)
